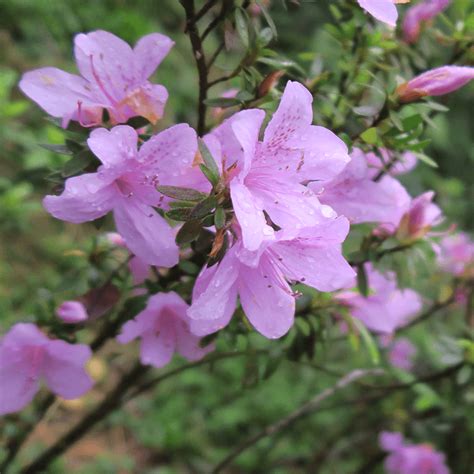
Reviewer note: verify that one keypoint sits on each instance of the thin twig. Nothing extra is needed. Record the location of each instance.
(304, 410)
(222, 14)
(198, 53)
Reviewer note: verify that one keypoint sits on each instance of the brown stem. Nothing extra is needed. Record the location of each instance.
(198, 53)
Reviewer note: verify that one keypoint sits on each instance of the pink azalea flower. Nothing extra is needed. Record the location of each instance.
(267, 175)
(125, 184)
(386, 308)
(114, 78)
(422, 215)
(401, 354)
(382, 10)
(456, 254)
(406, 163)
(139, 269)
(72, 312)
(310, 255)
(419, 14)
(439, 81)
(407, 458)
(354, 194)
(164, 329)
(27, 356)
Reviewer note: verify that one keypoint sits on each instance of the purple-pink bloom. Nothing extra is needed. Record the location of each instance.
(439, 81)
(27, 356)
(382, 10)
(163, 328)
(72, 312)
(386, 308)
(354, 194)
(268, 175)
(126, 182)
(422, 215)
(456, 254)
(309, 255)
(420, 13)
(114, 78)
(407, 458)
(401, 353)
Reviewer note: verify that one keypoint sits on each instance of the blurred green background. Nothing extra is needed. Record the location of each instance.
(192, 421)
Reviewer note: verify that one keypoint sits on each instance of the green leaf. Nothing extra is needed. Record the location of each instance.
(268, 18)
(412, 122)
(188, 232)
(183, 194)
(77, 163)
(370, 136)
(223, 102)
(219, 218)
(362, 283)
(368, 341)
(61, 149)
(210, 169)
(396, 120)
(426, 159)
(203, 208)
(241, 25)
(179, 214)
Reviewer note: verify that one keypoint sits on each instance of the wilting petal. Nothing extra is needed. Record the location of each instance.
(114, 147)
(382, 10)
(56, 91)
(146, 233)
(267, 300)
(85, 198)
(140, 270)
(149, 52)
(64, 369)
(250, 216)
(148, 101)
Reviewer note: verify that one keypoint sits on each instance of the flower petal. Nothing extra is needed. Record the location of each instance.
(64, 369)
(250, 216)
(114, 147)
(149, 52)
(85, 198)
(146, 233)
(267, 300)
(157, 349)
(382, 10)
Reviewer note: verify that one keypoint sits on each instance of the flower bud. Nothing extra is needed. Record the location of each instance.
(72, 312)
(435, 82)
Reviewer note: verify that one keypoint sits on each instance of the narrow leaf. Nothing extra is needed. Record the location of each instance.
(203, 208)
(183, 194)
(188, 232)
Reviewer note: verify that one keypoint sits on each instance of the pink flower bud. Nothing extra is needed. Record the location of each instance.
(72, 312)
(435, 82)
(420, 13)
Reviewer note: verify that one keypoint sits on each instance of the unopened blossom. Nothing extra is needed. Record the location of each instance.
(456, 254)
(125, 183)
(114, 77)
(386, 308)
(139, 269)
(260, 278)
(421, 216)
(405, 458)
(439, 81)
(419, 14)
(163, 328)
(385, 160)
(355, 194)
(401, 353)
(27, 357)
(382, 10)
(72, 312)
(268, 175)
